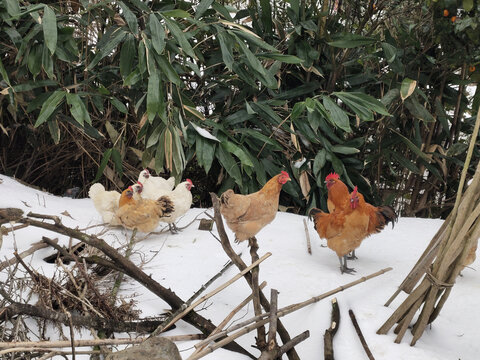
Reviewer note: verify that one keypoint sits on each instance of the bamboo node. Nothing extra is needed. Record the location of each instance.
(435, 282)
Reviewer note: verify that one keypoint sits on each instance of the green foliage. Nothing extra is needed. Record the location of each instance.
(376, 94)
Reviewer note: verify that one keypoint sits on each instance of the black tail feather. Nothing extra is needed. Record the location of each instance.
(388, 214)
(313, 212)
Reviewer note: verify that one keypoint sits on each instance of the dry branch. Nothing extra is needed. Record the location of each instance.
(92, 342)
(16, 308)
(129, 268)
(360, 334)
(282, 332)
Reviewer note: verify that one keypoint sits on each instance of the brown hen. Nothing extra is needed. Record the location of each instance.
(143, 214)
(246, 215)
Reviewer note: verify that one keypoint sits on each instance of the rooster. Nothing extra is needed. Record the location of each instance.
(154, 186)
(142, 214)
(246, 215)
(347, 226)
(337, 192)
(181, 198)
(106, 202)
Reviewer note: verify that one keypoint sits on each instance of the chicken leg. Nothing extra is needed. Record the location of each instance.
(352, 256)
(343, 266)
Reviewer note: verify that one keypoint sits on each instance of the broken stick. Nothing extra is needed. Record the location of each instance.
(331, 331)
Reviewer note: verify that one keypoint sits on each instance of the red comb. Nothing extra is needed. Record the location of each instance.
(139, 183)
(354, 192)
(130, 188)
(284, 173)
(189, 181)
(332, 175)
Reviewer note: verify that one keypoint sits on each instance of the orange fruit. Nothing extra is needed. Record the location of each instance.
(453, 18)
(471, 68)
(445, 12)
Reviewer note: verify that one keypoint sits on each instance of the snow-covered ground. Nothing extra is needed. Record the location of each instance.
(187, 260)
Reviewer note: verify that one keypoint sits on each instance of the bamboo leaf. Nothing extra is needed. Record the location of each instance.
(117, 160)
(337, 117)
(204, 133)
(226, 46)
(120, 106)
(407, 88)
(107, 48)
(229, 164)
(201, 8)
(418, 110)
(158, 34)
(49, 106)
(358, 99)
(78, 109)
(13, 8)
(127, 55)
(287, 59)
(180, 37)
(350, 41)
(238, 152)
(168, 69)
(390, 52)
(178, 13)
(49, 23)
(154, 137)
(346, 150)
(153, 95)
(319, 162)
(54, 130)
(129, 17)
(4, 73)
(106, 156)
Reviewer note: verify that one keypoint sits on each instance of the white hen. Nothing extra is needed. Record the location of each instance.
(106, 202)
(182, 200)
(154, 186)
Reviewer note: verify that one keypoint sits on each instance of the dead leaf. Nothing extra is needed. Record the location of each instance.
(305, 185)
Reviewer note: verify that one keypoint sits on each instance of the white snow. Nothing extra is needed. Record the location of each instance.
(187, 260)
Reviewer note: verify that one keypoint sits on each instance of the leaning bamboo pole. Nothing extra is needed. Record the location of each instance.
(443, 259)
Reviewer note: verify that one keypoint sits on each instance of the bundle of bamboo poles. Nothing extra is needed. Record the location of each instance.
(451, 249)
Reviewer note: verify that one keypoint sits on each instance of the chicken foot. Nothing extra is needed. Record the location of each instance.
(352, 256)
(343, 266)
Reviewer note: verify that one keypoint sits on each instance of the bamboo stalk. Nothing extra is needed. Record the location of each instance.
(216, 291)
(307, 236)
